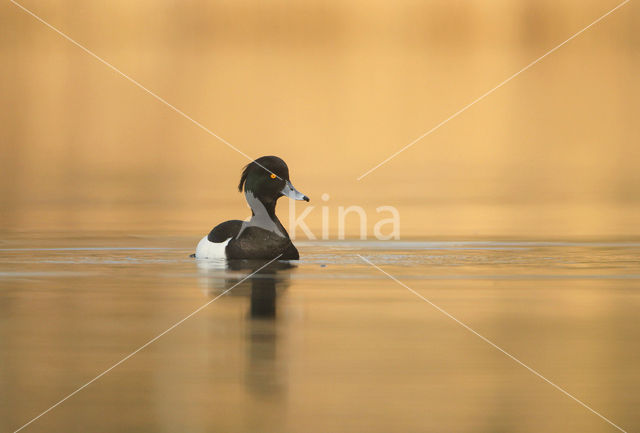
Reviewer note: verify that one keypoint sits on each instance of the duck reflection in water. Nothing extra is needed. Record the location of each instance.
(264, 372)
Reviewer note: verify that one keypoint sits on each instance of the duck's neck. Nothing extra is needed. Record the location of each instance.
(263, 214)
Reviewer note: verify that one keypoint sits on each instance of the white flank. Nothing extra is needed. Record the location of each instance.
(211, 250)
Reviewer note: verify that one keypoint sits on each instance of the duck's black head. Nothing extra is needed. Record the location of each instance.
(267, 178)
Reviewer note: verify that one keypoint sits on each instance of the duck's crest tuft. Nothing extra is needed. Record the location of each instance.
(243, 177)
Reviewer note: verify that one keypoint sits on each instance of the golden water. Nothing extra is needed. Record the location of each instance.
(331, 344)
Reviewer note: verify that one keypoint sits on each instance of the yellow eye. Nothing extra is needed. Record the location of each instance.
(273, 176)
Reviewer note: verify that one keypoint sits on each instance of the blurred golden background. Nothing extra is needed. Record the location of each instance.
(333, 87)
(91, 161)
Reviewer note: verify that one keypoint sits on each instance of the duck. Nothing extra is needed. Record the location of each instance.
(263, 236)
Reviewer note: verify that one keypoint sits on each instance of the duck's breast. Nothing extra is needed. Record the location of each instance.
(257, 243)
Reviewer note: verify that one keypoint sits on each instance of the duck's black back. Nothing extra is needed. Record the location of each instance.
(253, 242)
(224, 231)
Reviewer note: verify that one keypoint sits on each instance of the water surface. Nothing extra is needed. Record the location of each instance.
(327, 343)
